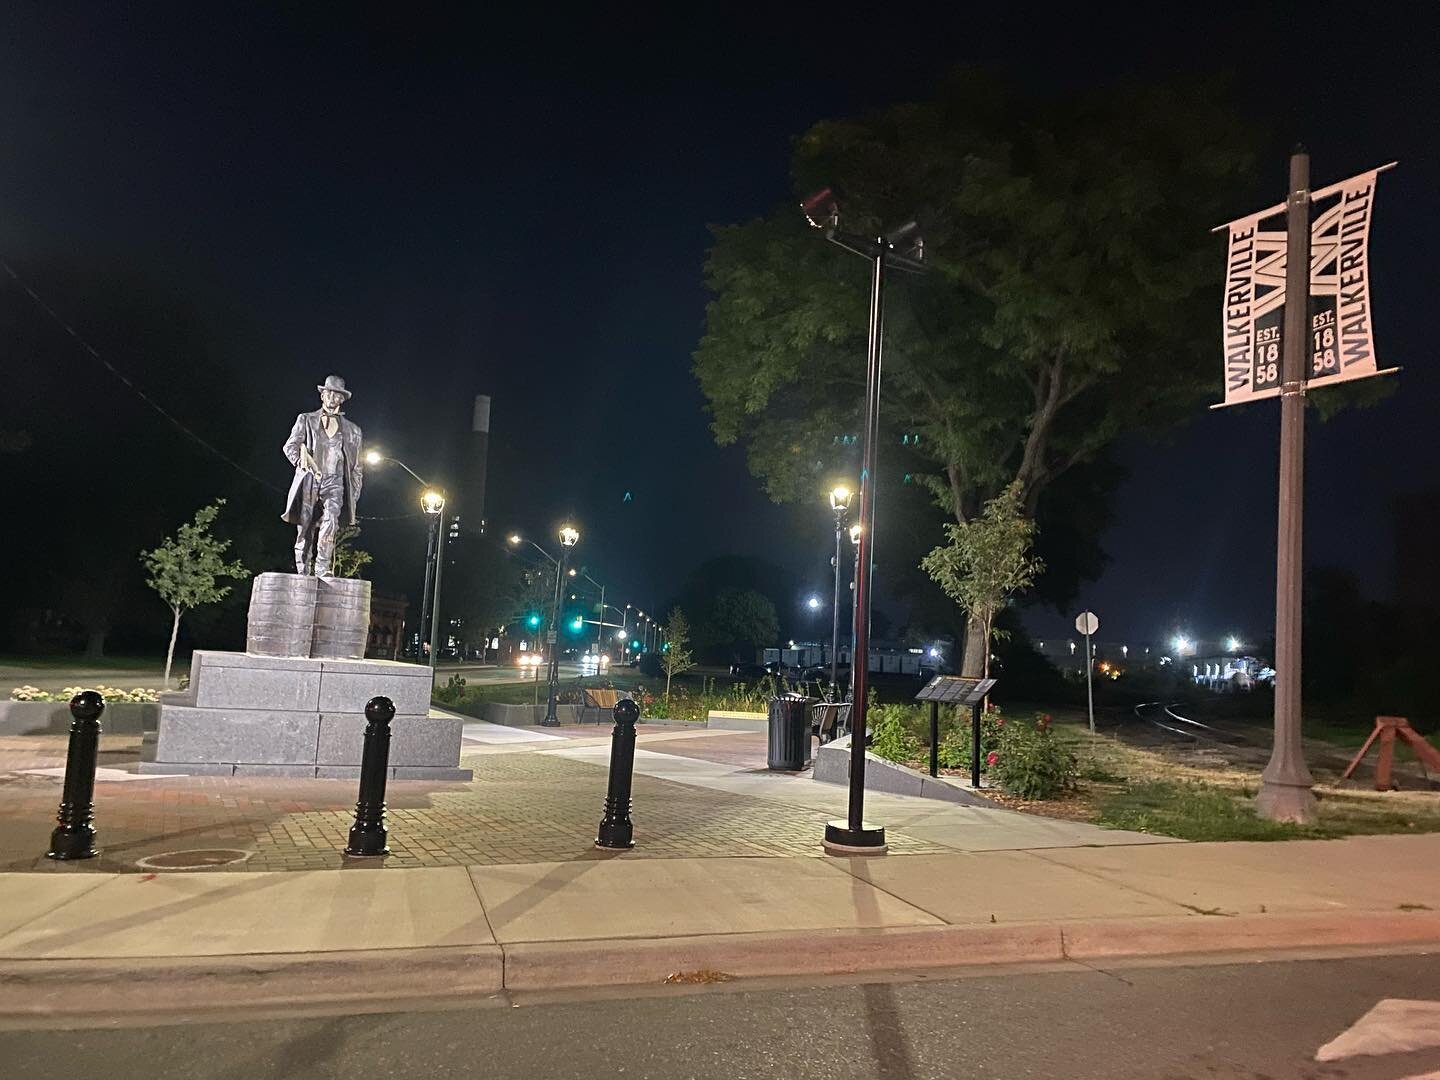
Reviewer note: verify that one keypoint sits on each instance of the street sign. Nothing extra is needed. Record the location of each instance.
(1087, 624)
(550, 637)
(1338, 317)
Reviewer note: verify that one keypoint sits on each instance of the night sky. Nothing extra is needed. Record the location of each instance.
(435, 207)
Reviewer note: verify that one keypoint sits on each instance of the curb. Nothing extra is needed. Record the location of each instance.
(57, 988)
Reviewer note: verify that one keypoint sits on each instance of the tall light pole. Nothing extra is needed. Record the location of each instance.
(432, 502)
(855, 836)
(600, 622)
(569, 537)
(840, 505)
(854, 573)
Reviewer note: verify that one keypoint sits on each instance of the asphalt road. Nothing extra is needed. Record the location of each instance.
(1259, 1021)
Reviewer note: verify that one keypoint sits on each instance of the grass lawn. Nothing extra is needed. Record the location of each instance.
(1196, 794)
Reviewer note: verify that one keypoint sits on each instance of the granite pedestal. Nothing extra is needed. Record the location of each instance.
(245, 715)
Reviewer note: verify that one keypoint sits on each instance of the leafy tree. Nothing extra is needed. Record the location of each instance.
(739, 621)
(986, 561)
(185, 570)
(489, 589)
(676, 657)
(1070, 298)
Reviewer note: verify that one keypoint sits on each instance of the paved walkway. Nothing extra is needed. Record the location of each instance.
(104, 944)
(496, 884)
(537, 796)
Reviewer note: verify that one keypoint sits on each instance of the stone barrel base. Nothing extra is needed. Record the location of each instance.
(296, 615)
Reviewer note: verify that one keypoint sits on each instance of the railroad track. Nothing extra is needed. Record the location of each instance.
(1162, 716)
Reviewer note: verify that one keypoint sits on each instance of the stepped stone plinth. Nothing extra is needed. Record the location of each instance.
(293, 704)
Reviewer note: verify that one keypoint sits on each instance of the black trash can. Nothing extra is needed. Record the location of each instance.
(790, 731)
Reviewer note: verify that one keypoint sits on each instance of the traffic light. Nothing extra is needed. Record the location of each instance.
(577, 624)
(533, 620)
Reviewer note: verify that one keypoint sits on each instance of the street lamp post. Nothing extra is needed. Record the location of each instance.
(600, 622)
(855, 836)
(569, 537)
(854, 572)
(433, 503)
(840, 504)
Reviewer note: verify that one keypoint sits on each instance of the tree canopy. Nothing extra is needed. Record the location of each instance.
(736, 623)
(1070, 298)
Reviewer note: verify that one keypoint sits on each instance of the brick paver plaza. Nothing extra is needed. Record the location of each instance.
(525, 806)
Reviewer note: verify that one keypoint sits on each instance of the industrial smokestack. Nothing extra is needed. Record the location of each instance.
(472, 485)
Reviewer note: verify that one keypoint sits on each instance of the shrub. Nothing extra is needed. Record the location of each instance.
(956, 739)
(890, 735)
(452, 693)
(111, 694)
(1030, 764)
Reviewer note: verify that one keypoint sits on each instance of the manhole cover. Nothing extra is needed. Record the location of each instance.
(195, 859)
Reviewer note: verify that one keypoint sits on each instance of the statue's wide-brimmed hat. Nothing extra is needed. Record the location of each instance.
(336, 383)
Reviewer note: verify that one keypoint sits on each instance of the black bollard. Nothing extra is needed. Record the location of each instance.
(368, 835)
(616, 830)
(74, 836)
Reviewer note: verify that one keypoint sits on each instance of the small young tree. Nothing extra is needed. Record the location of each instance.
(676, 657)
(986, 561)
(348, 560)
(185, 570)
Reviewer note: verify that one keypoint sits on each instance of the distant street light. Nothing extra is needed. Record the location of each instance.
(840, 506)
(569, 537)
(813, 603)
(1233, 645)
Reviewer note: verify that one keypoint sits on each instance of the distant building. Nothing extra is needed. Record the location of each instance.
(387, 626)
(886, 657)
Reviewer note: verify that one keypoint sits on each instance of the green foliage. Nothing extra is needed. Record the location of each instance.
(452, 693)
(186, 570)
(738, 622)
(677, 658)
(1191, 811)
(111, 694)
(986, 561)
(954, 750)
(892, 738)
(1068, 239)
(348, 560)
(1070, 297)
(1030, 763)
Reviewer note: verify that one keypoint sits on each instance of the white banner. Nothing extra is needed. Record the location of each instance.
(1341, 345)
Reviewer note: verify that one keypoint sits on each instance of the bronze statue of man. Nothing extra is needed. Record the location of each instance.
(324, 447)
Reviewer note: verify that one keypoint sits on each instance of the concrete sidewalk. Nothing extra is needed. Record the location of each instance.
(87, 943)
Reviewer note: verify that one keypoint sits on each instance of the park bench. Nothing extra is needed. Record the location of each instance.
(601, 701)
(827, 718)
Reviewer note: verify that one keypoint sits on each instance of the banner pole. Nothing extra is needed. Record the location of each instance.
(1285, 791)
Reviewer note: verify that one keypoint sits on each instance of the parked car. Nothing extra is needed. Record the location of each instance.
(820, 673)
(751, 670)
